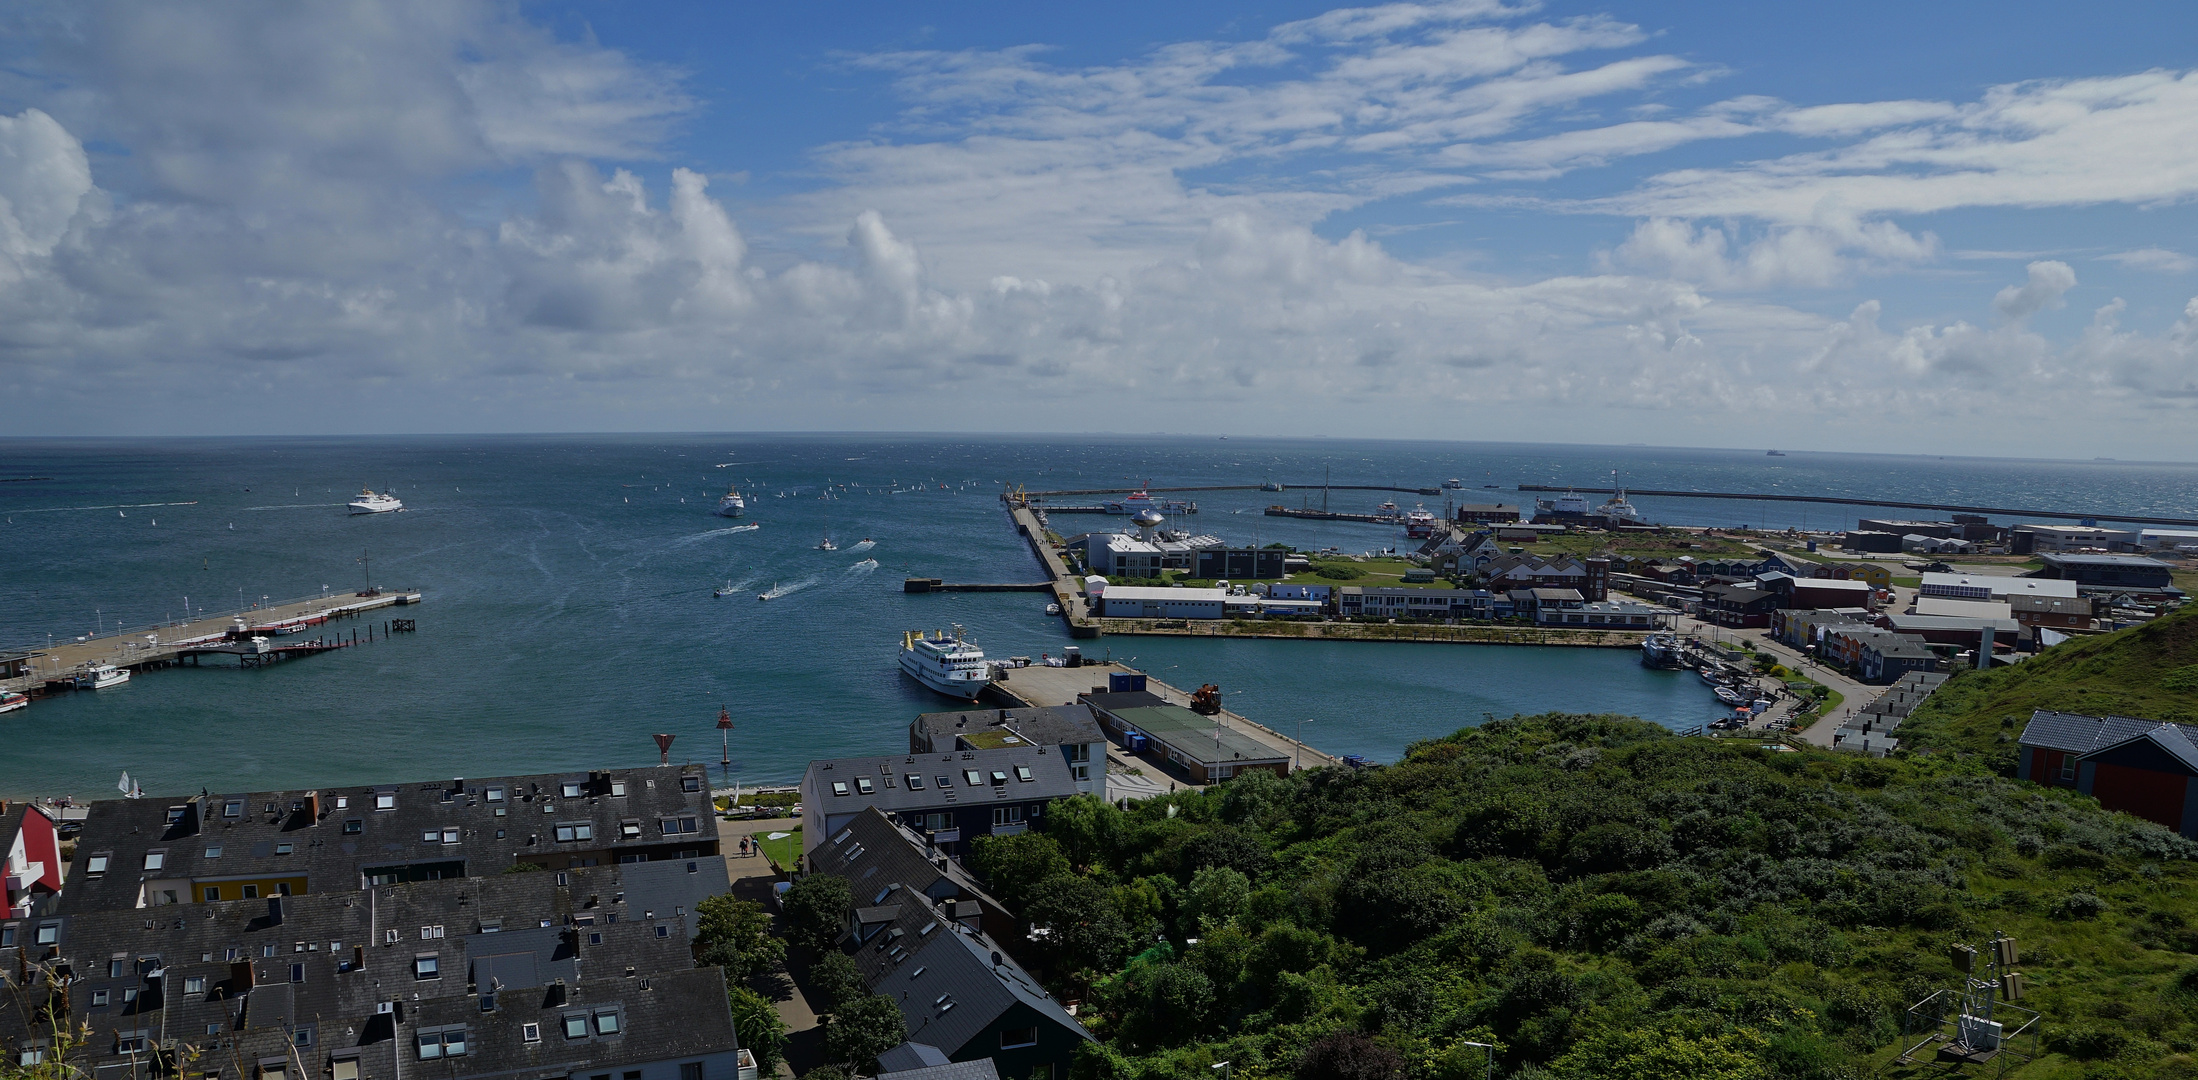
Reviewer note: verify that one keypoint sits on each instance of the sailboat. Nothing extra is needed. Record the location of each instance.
(129, 787)
(826, 544)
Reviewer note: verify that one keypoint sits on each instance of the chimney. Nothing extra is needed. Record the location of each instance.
(313, 805)
(274, 910)
(243, 976)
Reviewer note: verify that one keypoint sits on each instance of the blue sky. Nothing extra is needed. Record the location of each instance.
(1866, 226)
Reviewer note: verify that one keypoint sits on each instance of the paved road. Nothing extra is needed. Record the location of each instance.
(1854, 695)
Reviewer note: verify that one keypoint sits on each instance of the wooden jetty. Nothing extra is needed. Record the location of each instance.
(147, 648)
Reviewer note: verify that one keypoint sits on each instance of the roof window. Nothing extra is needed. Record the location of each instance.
(998, 777)
(946, 781)
(96, 863)
(618, 788)
(1022, 773)
(975, 778)
(385, 801)
(915, 782)
(863, 784)
(839, 787)
(155, 859)
(690, 783)
(494, 794)
(232, 808)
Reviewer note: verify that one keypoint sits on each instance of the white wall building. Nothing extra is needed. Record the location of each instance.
(1145, 602)
(1992, 586)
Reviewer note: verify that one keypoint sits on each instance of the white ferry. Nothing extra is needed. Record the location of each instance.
(1453, 482)
(953, 666)
(732, 505)
(101, 676)
(373, 502)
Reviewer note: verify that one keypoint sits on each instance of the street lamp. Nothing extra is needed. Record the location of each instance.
(1491, 1048)
(1226, 1069)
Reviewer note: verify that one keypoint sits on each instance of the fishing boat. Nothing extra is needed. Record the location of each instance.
(953, 666)
(732, 505)
(101, 676)
(1730, 696)
(1709, 675)
(11, 700)
(1660, 651)
(373, 502)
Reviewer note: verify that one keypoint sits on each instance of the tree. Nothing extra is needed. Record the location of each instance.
(1088, 933)
(817, 909)
(1015, 866)
(834, 982)
(864, 1028)
(1086, 828)
(736, 935)
(757, 1023)
(1348, 1055)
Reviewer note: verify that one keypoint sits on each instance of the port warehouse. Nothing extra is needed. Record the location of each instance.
(394, 934)
(1207, 750)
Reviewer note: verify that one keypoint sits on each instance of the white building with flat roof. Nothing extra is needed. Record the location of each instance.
(1992, 586)
(1146, 602)
(2168, 539)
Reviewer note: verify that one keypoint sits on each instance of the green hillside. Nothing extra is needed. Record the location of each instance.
(1601, 899)
(2149, 671)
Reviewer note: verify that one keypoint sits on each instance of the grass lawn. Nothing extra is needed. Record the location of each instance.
(783, 849)
(1917, 583)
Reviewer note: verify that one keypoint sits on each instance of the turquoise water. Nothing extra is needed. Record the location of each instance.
(568, 613)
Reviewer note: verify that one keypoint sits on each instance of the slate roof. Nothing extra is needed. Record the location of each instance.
(889, 790)
(891, 853)
(980, 1069)
(910, 1055)
(249, 975)
(1048, 726)
(2082, 734)
(317, 827)
(927, 956)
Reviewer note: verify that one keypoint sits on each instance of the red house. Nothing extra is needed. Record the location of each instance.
(2143, 767)
(33, 868)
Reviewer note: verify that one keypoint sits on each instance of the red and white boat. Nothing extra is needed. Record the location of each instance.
(11, 700)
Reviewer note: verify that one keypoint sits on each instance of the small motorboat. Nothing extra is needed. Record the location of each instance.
(1730, 696)
(10, 701)
(866, 564)
(1053, 609)
(767, 595)
(724, 590)
(101, 676)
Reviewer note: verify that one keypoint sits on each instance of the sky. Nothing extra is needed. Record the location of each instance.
(1934, 228)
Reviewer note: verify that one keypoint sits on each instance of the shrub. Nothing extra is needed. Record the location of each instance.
(2079, 905)
(755, 1020)
(863, 1029)
(1348, 1055)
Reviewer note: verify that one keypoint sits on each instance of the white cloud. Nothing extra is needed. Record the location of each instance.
(2158, 260)
(2049, 280)
(44, 180)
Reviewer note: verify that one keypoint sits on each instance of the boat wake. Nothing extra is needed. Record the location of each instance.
(863, 567)
(701, 536)
(788, 588)
(864, 546)
(294, 506)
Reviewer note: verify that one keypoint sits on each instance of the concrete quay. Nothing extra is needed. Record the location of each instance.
(142, 648)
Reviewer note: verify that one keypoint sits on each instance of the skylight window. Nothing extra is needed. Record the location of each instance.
(999, 777)
(915, 783)
(385, 801)
(839, 787)
(863, 784)
(96, 864)
(1022, 773)
(946, 781)
(570, 790)
(975, 778)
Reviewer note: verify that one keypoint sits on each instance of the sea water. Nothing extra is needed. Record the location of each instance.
(568, 613)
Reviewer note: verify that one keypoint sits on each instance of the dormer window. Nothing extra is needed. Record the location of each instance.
(232, 808)
(175, 815)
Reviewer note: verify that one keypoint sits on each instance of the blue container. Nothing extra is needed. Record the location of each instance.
(1137, 742)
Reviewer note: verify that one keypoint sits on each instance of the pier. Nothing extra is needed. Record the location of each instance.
(932, 584)
(1842, 500)
(148, 647)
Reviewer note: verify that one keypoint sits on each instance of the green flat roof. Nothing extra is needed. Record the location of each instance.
(991, 740)
(1192, 736)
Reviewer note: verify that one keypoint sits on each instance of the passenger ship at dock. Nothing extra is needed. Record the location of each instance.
(953, 666)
